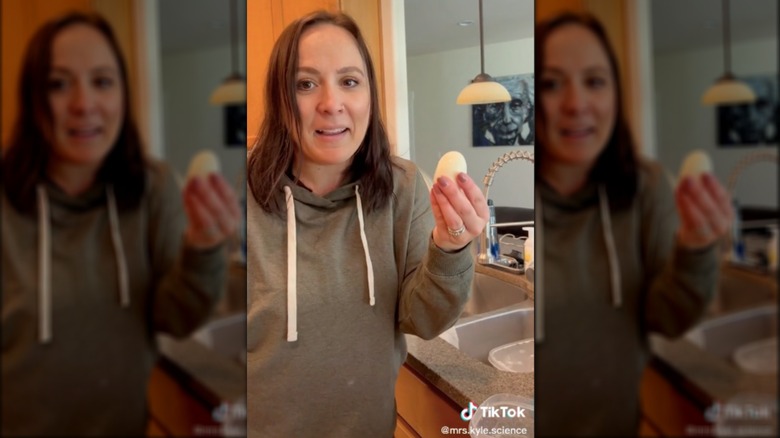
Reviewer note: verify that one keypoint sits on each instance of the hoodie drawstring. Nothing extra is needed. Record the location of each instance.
(292, 269)
(609, 241)
(119, 251)
(44, 267)
(44, 260)
(614, 266)
(292, 262)
(369, 264)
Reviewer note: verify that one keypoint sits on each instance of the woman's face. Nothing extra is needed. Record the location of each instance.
(85, 97)
(333, 95)
(578, 96)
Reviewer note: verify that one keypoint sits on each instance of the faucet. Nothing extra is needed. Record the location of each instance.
(733, 243)
(488, 243)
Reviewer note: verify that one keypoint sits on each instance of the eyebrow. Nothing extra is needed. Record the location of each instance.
(348, 69)
(594, 69)
(99, 69)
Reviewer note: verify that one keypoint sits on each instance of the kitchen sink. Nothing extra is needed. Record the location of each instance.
(225, 336)
(488, 293)
(476, 335)
(723, 335)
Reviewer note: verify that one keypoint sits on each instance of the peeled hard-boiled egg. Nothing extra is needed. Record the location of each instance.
(450, 165)
(696, 163)
(202, 164)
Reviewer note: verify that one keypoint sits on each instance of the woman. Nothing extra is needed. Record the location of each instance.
(97, 254)
(617, 262)
(344, 254)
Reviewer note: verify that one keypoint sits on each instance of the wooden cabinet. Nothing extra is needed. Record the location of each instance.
(665, 410)
(20, 20)
(422, 409)
(174, 410)
(265, 21)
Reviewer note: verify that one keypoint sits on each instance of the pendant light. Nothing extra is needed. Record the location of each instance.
(727, 90)
(483, 89)
(233, 88)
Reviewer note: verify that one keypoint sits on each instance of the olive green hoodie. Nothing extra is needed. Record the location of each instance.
(332, 289)
(610, 277)
(79, 342)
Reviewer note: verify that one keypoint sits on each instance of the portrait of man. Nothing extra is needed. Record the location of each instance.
(507, 123)
(755, 123)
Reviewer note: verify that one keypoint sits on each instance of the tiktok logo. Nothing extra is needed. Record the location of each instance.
(467, 413)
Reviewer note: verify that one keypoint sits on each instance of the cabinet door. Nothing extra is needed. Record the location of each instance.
(424, 408)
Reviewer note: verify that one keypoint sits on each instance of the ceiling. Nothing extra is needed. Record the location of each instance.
(688, 24)
(431, 25)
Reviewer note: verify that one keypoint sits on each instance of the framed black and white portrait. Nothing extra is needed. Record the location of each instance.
(751, 124)
(507, 123)
(235, 125)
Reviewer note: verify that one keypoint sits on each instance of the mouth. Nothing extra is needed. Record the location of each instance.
(84, 133)
(577, 133)
(331, 132)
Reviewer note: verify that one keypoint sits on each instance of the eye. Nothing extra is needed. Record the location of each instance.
(104, 82)
(351, 82)
(549, 84)
(596, 82)
(57, 84)
(305, 85)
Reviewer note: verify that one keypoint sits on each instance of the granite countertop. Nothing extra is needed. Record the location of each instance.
(462, 378)
(215, 379)
(704, 377)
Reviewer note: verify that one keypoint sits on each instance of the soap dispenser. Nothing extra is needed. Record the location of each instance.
(528, 247)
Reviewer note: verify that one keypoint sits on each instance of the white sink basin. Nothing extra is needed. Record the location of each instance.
(723, 336)
(489, 293)
(475, 336)
(225, 336)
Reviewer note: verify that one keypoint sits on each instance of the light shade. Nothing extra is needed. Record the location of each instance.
(231, 92)
(483, 89)
(728, 91)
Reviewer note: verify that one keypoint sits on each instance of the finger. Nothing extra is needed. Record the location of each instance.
(474, 195)
(208, 198)
(457, 201)
(690, 216)
(450, 217)
(197, 213)
(720, 196)
(226, 195)
(437, 215)
(717, 219)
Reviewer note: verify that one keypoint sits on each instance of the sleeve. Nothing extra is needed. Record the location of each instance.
(187, 282)
(435, 284)
(682, 281)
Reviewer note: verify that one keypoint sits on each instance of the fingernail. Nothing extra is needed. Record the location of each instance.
(443, 182)
(462, 177)
(437, 190)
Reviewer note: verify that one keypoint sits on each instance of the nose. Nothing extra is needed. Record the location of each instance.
(331, 100)
(505, 112)
(82, 98)
(574, 99)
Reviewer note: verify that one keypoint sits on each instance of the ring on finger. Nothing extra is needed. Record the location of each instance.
(458, 232)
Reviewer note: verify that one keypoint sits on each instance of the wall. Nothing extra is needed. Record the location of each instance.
(191, 123)
(683, 124)
(438, 124)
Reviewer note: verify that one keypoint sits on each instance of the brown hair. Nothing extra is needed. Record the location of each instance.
(29, 149)
(277, 141)
(617, 165)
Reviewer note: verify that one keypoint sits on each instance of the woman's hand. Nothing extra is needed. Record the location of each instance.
(460, 215)
(212, 211)
(705, 211)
